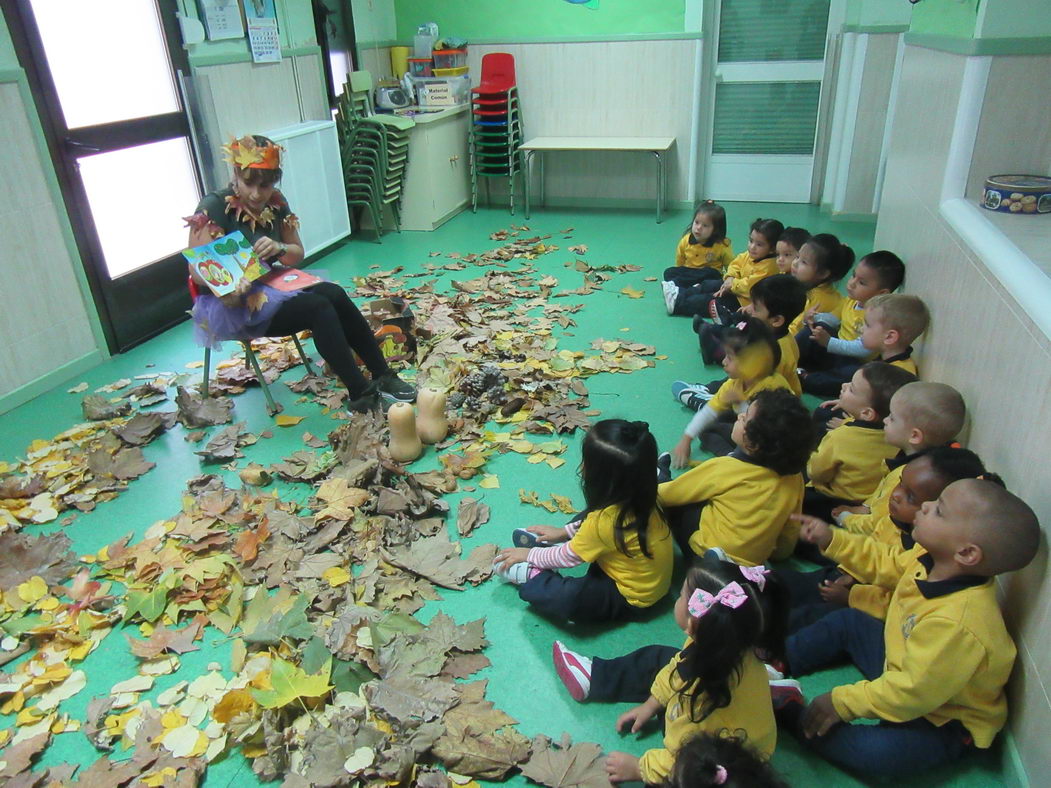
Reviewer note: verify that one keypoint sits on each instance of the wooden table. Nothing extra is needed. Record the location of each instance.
(658, 146)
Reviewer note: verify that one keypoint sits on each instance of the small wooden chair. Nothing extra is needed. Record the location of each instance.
(250, 359)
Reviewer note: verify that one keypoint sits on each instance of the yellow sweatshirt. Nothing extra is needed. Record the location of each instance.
(641, 581)
(851, 319)
(746, 272)
(848, 463)
(750, 715)
(747, 507)
(904, 361)
(823, 298)
(695, 255)
(948, 651)
(733, 395)
(789, 363)
(878, 501)
(868, 598)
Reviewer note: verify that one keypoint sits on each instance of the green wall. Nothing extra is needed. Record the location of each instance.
(526, 19)
(7, 49)
(945, 18)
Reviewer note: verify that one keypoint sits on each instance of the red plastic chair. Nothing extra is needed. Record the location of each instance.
(271, 407)
(498, 73)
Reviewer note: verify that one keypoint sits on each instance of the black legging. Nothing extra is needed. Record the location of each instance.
(338, 327)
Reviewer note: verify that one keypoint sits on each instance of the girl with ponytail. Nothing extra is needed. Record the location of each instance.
(622, 534)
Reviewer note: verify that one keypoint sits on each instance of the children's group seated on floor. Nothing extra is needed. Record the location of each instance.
(908, 530)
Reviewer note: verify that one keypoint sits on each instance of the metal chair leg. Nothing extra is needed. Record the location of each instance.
(271, 406)
(303, 355)
(207, 368)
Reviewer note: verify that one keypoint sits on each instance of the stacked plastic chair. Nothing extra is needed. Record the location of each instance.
(374, 149)
(496, 127)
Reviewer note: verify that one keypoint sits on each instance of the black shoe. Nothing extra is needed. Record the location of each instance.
(664, 467)
(393, 388)
(369, 400)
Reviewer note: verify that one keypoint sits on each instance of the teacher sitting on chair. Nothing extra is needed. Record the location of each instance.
(253, 205)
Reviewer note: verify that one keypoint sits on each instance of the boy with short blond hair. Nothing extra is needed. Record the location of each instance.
(936, 670)
(893, 321)
(922, 415)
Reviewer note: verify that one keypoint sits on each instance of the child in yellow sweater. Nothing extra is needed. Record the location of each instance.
(848, 464)
(830, 359)
(703, 253)
(721, 298)
(822, 261)
(714, 683)
(743, 503)
(936, 670)
(751, 356)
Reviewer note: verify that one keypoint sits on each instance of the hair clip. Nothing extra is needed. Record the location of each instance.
(757, 574)
(730, 595)
(719, 778)
(741, 326)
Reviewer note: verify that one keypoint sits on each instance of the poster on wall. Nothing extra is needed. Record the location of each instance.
(222, 19)
(263, 34)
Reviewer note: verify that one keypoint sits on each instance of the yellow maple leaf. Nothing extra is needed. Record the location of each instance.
(631, 292)
(233, 703)
(490, 481)
(256, 300)
(284, 420)
(336, 576)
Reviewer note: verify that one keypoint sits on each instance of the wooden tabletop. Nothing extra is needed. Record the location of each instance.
(598, 143)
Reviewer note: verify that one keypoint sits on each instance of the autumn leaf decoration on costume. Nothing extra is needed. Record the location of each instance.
(246, 153)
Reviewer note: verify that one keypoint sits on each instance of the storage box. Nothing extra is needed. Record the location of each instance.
(459, 71)
(449, 58)
(420, 66)
(442, 91)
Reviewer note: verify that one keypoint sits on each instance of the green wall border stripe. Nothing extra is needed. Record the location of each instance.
(980, 46)
(199, 61)
(48, 170)
(596, 39)
(11, 75)
(49, 380)
(875, 28)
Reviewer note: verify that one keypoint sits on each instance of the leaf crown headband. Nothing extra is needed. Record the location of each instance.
(247, 154)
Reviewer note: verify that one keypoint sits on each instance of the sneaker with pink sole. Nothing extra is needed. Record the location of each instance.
(573, 669)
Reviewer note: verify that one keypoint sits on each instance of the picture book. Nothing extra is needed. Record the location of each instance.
(289, 279)
(225, 261)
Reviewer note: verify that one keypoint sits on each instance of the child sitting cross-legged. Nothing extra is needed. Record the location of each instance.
(710, 759)
(818, 593)
(750, 359)
(622, 534)
(714, 683)
(703, 253)
(731, 292)
(936, 669)
(743, 503)
(921, 416)
(822, 261)
(848, 464)
(829, 360)
(776, 300)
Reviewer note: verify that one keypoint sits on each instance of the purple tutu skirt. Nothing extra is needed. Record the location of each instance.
(214, 322)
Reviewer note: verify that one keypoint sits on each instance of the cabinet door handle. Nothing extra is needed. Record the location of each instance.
(454, 158)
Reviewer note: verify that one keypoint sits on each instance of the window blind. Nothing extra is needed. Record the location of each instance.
(765, 117)
(762, 30)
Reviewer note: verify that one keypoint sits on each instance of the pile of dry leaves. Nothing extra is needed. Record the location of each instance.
(331, 679)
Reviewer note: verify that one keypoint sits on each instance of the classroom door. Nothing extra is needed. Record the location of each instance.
(103, 75)
(765, 99)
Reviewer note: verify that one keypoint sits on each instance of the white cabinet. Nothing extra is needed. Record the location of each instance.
(437, 180)
(312, 181)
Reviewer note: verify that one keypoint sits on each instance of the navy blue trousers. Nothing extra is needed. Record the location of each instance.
(884, 749)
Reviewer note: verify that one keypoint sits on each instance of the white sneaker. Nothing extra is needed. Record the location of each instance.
(671, 295)
(516, 574)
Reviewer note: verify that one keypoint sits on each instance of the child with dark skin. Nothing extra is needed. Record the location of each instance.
(937, 669)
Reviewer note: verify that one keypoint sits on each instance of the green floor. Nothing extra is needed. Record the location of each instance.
(521, 681)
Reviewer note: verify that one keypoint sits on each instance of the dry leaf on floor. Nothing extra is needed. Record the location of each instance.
(566, 765)
(470, 514)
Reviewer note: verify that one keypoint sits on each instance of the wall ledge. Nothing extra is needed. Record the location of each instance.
(980, 46)
(595, 39)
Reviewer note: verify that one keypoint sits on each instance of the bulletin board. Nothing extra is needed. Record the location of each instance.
(514, 20)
